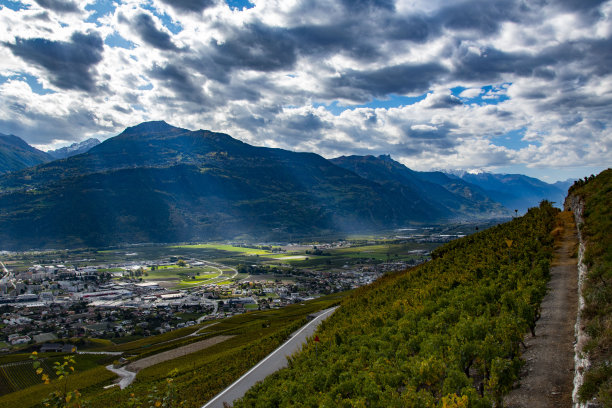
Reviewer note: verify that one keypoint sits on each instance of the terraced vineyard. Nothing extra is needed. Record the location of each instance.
(446, 333)
(19, 375)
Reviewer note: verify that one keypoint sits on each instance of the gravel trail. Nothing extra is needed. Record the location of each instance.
(547, 378)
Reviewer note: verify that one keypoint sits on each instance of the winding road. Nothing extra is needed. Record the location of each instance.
(272, 363)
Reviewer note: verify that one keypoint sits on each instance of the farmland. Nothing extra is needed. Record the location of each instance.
(255, 334)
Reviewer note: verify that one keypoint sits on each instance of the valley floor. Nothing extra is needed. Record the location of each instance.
(547, 378)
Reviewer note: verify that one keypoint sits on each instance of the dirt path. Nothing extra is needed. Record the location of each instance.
(172, 354)
(547, 378)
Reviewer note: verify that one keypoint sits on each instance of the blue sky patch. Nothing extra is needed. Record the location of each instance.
(394, 101)
(31, 80)
(514, 140)
(166, 20)
(115, 40)
(100, 9)
(489, 94)
(239, 4)
(14, 5)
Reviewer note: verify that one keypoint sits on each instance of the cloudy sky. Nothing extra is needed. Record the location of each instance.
(506, 86)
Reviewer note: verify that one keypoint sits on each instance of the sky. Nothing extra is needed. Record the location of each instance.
(507, 86)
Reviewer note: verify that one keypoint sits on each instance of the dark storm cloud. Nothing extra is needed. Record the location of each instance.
(306, 123)
(484, 16)
(355, 39)
(178, 81)
(580, 5)
(368, 5)
(400, 79)
(490, 63)
(442, 101)
(594, 55)
(190, 5)
(204, 64)
(145, 27)
(59, 6)
(69, 64)
(412, 28)
(258, 47)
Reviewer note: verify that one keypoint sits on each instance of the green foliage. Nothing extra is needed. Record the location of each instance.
(17, 371)
(62, 397)
(446, 333)
(198, 376)
(596, 193)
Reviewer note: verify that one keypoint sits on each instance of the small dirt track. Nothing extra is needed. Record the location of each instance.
(172, 354)
(547, 378)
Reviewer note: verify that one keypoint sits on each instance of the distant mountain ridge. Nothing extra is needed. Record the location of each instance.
(158, 183)
(515, 191)
(437, 193)
(73, 149)
(16, 154)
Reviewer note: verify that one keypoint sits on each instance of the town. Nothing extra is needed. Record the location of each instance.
(123, 301)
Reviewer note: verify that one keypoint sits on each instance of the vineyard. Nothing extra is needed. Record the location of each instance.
(19, 375)
(198, 376)
(447, 333)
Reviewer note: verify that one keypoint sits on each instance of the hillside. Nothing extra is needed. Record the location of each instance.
(515, 191)
(158, 183)
(16, 154)
(446, 333)
(591, 201)
(439, 194)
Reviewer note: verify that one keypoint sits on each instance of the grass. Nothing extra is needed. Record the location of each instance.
(222, 247)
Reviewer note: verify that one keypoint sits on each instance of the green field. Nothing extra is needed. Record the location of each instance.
(222, 247)
(184, 277)
(256, 333)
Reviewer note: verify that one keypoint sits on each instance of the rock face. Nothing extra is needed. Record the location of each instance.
(575, 204)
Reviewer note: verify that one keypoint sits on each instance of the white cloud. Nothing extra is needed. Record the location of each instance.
(258, 74)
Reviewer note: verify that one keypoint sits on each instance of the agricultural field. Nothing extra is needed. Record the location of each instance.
(17, 372)
(394, 245)
(255, 334)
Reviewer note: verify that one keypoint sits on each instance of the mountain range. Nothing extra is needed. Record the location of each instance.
(516, 191)
(159, 183)
(16, 154)
(73, 149)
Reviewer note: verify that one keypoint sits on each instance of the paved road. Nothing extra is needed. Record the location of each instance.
(272, 363)
(126, 376)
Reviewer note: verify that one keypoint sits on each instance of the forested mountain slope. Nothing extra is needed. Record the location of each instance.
(436, 192)
(446, 333)
(158, 183)
(16, 154)
(515, 191)
(591, 201)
